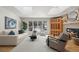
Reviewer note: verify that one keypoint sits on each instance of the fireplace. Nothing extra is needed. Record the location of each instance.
(75, 30)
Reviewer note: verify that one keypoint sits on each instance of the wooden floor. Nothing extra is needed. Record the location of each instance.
(6, 48)
(72, 47)
(69, 47)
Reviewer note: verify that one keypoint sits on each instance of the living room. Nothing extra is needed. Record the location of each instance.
(17, 24)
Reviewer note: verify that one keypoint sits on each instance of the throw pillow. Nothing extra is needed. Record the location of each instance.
(11, 33)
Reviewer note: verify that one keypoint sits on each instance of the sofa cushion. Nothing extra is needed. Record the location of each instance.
(11, 33)
(21, 31)
(5, 32)
(1, 33)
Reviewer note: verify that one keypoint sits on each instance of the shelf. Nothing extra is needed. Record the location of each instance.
(72, 22)
(56, 26)
(56, 30)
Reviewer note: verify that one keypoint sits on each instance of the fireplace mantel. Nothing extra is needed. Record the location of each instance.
(75, 30)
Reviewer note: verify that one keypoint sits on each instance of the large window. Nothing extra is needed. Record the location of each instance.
(42, 25)
(35, 24)
(30, 26)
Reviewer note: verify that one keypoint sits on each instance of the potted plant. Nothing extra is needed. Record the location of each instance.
(23, 27)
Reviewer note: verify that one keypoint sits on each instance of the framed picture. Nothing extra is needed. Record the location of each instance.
(10, 23)
(72, 16)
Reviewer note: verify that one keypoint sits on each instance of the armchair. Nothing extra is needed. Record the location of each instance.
(58, 44)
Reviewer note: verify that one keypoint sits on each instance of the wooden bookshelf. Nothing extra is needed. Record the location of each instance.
(56, 26)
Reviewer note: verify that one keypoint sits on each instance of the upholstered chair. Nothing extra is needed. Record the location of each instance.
(58, 43)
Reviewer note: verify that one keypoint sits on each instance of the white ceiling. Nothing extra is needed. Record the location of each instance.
(41, 11)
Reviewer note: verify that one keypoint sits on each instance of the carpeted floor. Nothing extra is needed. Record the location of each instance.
(39, 45)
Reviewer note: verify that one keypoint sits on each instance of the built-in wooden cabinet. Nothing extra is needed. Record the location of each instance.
(56, 26)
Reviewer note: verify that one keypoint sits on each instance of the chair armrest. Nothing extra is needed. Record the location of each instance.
(53, 40)
(63, 41)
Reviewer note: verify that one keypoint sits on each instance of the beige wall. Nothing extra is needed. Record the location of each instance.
(5, 12)
(70, 24)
